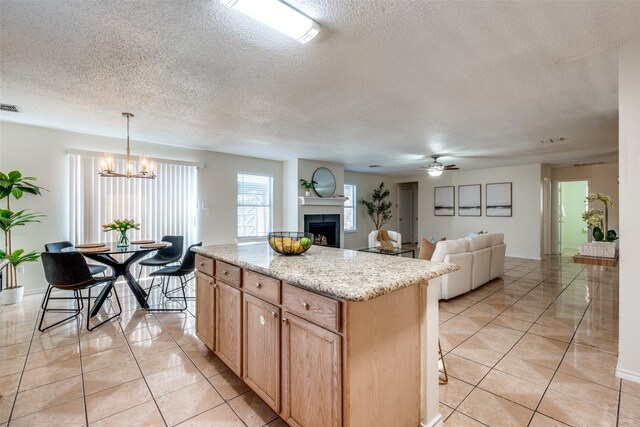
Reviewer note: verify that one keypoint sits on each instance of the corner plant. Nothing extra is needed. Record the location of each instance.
(14, 185)
(378, 208)
(598, 219)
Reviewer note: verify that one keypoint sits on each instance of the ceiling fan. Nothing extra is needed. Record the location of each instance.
(436, 168)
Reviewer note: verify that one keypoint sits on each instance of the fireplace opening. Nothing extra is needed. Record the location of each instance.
(325, 229)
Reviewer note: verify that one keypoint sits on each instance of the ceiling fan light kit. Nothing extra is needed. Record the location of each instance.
(436, 168)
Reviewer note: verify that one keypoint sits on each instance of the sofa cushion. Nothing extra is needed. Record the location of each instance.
(478, 242)
(427, 248)
(449, 247)
(496, 238)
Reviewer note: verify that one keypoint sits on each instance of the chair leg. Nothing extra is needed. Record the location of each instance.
(113, 292)
(442, 374)
(45, 309)
(165, 291)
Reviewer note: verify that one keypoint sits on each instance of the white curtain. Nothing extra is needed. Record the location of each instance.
(163, 206)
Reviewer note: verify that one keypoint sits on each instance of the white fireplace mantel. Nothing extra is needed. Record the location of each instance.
(322, 201)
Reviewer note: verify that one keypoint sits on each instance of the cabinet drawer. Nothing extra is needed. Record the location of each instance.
(228, 273)
(262, 286)
(316, 308)
(204, 265)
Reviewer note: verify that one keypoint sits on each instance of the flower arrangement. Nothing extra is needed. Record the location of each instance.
(598, 219)
(122, 226)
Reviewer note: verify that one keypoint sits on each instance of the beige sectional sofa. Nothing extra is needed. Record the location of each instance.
(481, 259)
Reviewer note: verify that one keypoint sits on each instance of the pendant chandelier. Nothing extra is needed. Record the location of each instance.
(147, 168)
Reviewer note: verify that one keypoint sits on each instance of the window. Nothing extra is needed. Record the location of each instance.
(166, 205)
(350, 207)
(255, 206)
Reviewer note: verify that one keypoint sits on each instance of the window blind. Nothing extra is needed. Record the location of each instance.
(164, 206)
(255, 206)
(350, 207)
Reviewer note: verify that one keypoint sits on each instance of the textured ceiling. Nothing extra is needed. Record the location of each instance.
(386, 82)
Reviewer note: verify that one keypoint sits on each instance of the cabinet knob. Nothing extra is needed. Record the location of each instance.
(285, 320)
(274, 314)
(258, 285)
(305, 306)
(225, 272)
(215, 285)
(202, 264)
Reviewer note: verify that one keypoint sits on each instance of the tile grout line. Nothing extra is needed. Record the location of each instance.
(525, 332)
(33, 334)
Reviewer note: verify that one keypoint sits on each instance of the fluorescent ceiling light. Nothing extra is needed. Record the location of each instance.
(278, 16)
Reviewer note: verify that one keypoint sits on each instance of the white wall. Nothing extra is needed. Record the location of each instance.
(522, 231)
(365, 183)
(629, 153)
(42, 152)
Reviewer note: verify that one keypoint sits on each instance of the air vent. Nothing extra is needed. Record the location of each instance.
(9, 108)
(589, 164)
(551, 140)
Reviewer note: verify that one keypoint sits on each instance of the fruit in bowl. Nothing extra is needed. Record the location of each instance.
(290, 242)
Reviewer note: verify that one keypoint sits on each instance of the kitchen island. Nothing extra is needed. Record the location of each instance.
(331, 337)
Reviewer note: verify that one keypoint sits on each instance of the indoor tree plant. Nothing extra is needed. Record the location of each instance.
(14, 185)
(378, 207)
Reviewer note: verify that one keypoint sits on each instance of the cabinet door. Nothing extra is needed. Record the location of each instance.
(228, 326)
(311, 374)
(261, 344)
(204, 309)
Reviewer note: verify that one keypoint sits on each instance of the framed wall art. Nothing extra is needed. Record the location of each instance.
(498, 201)
(444, 201)
(469, 200)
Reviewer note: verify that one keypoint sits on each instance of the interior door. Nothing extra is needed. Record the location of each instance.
(405, 213)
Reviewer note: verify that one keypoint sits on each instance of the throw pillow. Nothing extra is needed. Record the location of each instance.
(427, 248)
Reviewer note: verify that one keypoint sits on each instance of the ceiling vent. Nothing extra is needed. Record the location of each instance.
(589, 164)
(9, 108)
(551, 140)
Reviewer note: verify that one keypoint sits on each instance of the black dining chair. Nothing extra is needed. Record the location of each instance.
(69, 271)
(164, 256)
(181, 271)
(58, 247)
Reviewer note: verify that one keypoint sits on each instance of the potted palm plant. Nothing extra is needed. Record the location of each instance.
(13, 186)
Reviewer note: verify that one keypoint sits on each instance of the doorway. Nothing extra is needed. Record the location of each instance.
(572, 230)
(408, 211)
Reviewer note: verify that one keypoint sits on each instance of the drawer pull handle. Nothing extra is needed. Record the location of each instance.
(274, 314)
(202, 264)
(224, 272)
(305, 306)
(285, 320)
(258, 285)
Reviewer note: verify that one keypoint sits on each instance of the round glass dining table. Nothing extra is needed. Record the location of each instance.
(120, 268)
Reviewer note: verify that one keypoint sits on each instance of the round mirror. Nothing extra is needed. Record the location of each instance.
(324, 182)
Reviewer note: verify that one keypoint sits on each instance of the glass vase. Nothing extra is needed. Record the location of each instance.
(123, 239)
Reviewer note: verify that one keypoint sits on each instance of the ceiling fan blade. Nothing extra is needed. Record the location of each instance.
(448, 168)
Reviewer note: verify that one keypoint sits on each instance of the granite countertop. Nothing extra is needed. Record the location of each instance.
(339, 273)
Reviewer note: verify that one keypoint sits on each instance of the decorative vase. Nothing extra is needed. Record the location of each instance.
(123, 240)
(11, 295)
(307, 193)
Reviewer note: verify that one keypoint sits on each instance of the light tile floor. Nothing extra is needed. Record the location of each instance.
(537, 347)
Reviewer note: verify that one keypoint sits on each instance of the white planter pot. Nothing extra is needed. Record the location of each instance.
(11, 296)
(307, 193)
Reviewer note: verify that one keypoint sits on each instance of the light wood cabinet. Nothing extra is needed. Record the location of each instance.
(311, 374)
(204, 309)
(261, 343)
(228, 326)
(315, 360)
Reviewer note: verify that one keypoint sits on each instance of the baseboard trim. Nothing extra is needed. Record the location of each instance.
(435, 422)
(628, 375)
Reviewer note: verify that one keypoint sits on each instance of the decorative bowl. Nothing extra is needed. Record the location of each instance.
(290, 242)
